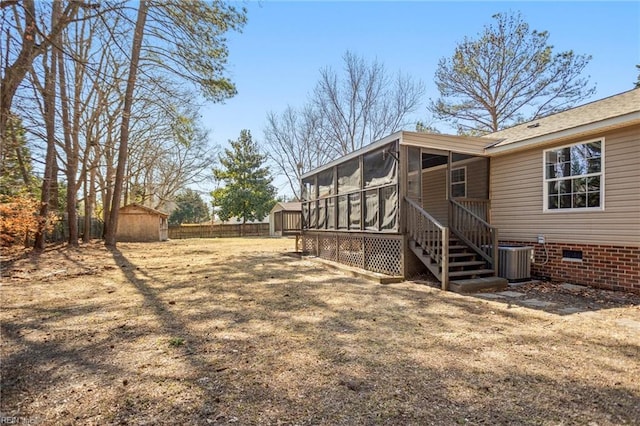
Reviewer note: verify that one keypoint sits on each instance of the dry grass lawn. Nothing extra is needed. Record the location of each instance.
(238, 331)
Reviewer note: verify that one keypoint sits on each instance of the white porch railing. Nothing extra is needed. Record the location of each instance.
(424, 230)
(476, 232)
(478, 206)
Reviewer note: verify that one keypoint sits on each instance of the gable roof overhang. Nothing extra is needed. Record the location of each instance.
(371, 147)
(135, 206)
(565, 134)
(291, 206)
(614, 112)
(471, 145)
(430, 141)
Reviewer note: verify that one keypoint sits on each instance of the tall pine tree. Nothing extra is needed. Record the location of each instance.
(247, 192)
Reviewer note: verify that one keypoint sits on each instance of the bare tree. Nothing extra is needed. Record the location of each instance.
(73, 99)
(364, 105)
(296, 143)
(176, 154)
(26, 39)
(507, 75)
(344, 113)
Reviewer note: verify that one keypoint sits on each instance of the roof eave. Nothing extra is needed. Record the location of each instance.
(371, 147)
(614, 122)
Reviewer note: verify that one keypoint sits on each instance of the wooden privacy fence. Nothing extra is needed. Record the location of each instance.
(219, 231)
(60, 230)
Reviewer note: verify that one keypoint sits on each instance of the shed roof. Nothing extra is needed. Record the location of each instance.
(141, 207)
(614, 111)
(290, 206)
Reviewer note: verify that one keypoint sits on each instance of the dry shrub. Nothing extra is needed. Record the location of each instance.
(19, 218)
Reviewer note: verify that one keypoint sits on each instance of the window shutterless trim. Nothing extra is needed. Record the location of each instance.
(463, 182)
(601, 174)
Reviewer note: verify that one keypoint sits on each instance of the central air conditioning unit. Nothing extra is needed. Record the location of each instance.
(514, 262)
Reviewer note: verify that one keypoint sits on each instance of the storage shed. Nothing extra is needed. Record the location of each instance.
(141, 224)
(285, 219)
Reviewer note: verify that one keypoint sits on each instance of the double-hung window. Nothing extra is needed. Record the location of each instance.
(574, 177)
(459, 182)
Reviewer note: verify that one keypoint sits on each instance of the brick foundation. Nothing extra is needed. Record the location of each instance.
(603, 266)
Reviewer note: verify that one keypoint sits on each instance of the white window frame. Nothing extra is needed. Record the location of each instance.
(464, 182)
(601, 174)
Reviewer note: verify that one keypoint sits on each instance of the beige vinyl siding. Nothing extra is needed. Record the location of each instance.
(477, 177)
(517, 200)
(434, 194)
(434, 187)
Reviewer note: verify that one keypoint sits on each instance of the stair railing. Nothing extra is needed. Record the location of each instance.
(479, 206)
(475, 232)
(431, 236)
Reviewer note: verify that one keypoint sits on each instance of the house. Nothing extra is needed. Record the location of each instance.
(137, 223)
(567, 185)
(285, 219)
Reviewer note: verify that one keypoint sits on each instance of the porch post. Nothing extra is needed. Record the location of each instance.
(448, 189)
(445, 259)
(494, 245)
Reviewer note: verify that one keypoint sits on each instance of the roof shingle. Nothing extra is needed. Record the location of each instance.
(603, 109)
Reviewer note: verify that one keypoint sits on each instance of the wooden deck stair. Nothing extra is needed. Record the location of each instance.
(468, 272)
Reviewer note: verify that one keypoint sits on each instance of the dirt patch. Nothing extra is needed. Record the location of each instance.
(235, 331)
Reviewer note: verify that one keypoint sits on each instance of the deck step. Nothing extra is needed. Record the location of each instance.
(458, 255)
(474, 285)
(471, 273)
(469, 263)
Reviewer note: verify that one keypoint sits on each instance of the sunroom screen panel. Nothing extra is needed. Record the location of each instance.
(355, 208)
(389, 208)
(371, 210)
(326, 185)
(349, 176)
(380, 167)
(343, 212)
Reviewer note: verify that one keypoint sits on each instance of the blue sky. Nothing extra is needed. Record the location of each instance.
(276, 60)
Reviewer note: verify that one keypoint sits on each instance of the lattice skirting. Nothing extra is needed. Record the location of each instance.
(373, 252)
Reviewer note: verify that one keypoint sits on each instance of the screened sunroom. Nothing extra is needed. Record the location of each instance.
(394, 206)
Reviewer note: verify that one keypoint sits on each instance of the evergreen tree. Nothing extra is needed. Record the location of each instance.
(247, 192)
(16, 175)
(191, 208)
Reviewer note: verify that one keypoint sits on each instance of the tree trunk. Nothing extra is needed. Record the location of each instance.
(15, 73)
(50, 167)
(110, 237)
(89, 199)
(70, 149)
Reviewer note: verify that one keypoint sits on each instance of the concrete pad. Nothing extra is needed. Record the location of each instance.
(570, 310)
(535, 303)
(474, 285)
(489, 295)
(629, 323)
(522, 283)
(573, 287)
(511, 294)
